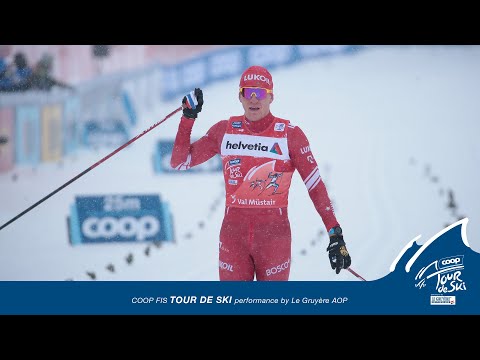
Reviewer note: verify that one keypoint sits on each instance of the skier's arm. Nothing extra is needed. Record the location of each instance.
(186, 155)
(307, 167)
(303, 159)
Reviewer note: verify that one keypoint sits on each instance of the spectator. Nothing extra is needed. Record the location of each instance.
(42, 78)
(22, 72)
(6, 80)
(3, 65)
(3, 140)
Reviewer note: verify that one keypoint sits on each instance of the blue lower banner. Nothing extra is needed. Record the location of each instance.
(440, 277)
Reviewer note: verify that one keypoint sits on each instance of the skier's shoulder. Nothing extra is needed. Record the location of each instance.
(290, 124)
(295, 132)
(217, 129)
(222, 124)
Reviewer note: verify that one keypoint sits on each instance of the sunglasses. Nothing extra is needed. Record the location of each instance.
(260, 93)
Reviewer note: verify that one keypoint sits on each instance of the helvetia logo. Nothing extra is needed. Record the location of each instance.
(257, 147)
(240, 145)
(276, 149)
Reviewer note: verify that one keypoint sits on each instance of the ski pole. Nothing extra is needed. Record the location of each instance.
(354, 273)
(90, 168)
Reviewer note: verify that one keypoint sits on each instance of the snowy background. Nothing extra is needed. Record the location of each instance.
(393, 128)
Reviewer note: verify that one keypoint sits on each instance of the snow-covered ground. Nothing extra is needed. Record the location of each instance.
(394, 130)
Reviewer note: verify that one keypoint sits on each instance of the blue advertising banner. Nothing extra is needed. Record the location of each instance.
(183, 77)
(27, 135)
(440, 277)
(119, 218)
(71, 124)
(163, 154)
(129, 108)
(107, 133)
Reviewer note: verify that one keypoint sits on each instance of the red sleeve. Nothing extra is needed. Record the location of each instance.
(307, 167)
(186, 155)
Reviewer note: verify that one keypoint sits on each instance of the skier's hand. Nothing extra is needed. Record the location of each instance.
(337, 250)
(192, 103)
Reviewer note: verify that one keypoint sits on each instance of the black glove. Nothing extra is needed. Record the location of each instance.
(337, 251)
(192, 103)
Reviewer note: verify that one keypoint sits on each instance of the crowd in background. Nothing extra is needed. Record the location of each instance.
(18, 75)
(79, 64)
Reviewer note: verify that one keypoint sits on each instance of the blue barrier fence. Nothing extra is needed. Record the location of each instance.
(229, 63)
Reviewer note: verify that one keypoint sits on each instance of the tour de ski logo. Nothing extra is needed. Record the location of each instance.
(441, 271)
(445, 274)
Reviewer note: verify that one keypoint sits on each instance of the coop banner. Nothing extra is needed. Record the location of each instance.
(119, 218)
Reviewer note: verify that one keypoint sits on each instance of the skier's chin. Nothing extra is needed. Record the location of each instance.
(254, 114)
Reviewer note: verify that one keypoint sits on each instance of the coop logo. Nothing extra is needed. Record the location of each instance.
(119, 218)
(127, 227)
(446, 275)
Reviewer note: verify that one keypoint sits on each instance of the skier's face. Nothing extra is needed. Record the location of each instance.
(255, 107)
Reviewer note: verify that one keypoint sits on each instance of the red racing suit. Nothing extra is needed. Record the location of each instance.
(259, 159)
